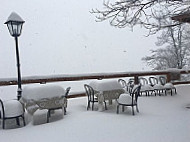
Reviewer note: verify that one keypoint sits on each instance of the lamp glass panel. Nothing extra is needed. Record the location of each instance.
(9, 25)
(15, 28)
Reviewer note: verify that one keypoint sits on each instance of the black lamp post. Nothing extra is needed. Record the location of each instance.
(14, 24)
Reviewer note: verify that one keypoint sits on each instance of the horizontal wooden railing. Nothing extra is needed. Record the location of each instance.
(80, 77)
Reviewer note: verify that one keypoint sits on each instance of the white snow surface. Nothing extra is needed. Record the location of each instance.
(125, 99)
(14, 17)
(38, 91)
(104, 85)
(12, 108)
(146, 87)
(161, 119)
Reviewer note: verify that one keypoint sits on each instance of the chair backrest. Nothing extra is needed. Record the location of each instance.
(67, 91)
(125, 85)
(162, 80)
(2, 111)
(122, 82)
(89, 92)
(143, 81)
(153, 80)
(131, 81)
(136, 92)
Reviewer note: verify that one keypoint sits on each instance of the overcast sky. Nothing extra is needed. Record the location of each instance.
(62, 37)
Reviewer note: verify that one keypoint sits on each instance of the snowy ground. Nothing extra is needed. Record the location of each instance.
(161, 119)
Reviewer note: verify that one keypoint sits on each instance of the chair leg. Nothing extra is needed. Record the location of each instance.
(105, 105)
(65, 111)
(154, 92)
(88, 105)
(150, 92)
(171, 92)
(23, 120)
(117, 109)
(92, 106)
(3, 123)
(123, 109)
(133, 111)
(48, 116)
(50, 113)
(137, 108)
(159, 92)
(17, 121)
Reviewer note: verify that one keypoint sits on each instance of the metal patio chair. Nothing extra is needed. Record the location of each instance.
(91, 96)
(129, 99)
(125, 85)
(145, 87)
(65, 105)
(159, 88)
(11, 109)
(168, 86)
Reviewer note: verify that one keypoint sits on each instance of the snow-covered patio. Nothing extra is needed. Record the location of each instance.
(161, 119)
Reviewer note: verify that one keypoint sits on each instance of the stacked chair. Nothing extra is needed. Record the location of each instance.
(146, 88)
(126, 86)
(169, 87)
(158, 87)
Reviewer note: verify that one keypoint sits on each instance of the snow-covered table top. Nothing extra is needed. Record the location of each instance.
(43, 97)
(37, 92)
(106, 90)
(105, 85)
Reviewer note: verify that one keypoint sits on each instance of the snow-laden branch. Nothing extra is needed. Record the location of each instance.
(147, 13)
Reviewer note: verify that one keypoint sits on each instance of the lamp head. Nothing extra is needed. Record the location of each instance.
(14, 24)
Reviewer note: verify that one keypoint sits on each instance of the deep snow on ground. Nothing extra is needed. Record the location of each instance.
(161, 119)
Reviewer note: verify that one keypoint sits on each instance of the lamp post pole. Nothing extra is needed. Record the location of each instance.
(19, 90)
(14, 24)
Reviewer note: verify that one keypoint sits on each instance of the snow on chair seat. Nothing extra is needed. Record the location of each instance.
(130, 99)
(11, 109)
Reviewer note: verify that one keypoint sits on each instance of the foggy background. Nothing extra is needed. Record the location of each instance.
(62, 37)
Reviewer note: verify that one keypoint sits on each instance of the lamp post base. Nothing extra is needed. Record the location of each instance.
(19, 92)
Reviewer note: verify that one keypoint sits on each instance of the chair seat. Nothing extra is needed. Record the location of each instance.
(13, 108)
(147, 88)
(129, 99)
(125, 99)
(158, 86)
(169, 86)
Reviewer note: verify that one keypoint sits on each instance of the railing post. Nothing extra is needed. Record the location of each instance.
(168, 75)
(136, 77)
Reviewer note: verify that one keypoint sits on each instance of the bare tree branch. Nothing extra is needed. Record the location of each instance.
(176, 54)
(147, 13)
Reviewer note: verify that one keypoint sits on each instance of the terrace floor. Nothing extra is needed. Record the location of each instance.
(161, 119)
